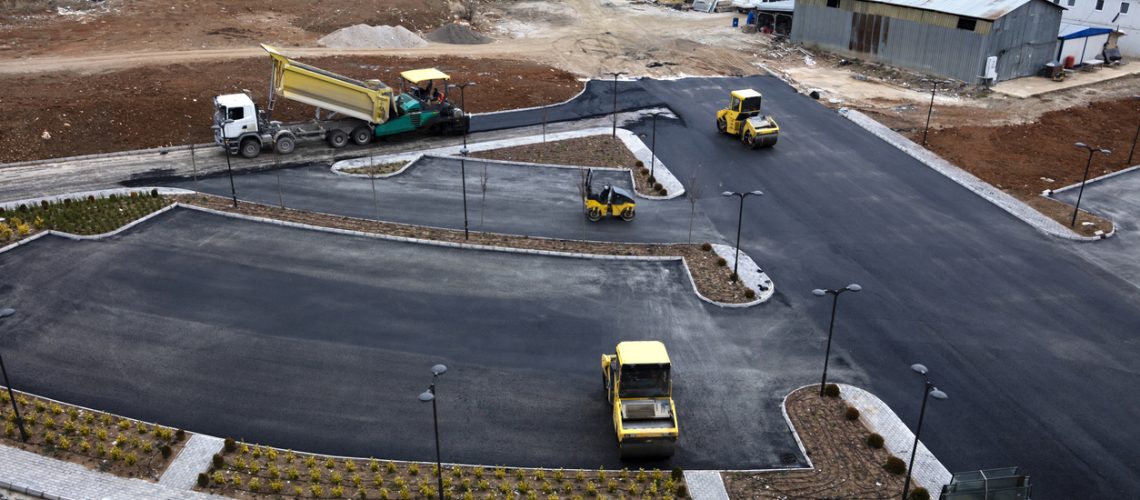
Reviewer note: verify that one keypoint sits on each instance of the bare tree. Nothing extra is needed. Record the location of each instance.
(483, 189)
(693, 192)
(277, 170)
(372, 179)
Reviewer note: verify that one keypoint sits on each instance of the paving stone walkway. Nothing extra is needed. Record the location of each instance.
(38, 476)
(194, 458)
(705, 485)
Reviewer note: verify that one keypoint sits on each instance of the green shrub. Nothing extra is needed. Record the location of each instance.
(652, 180)
(166, 451)
(875, 441)
(831, 390)
(414, 469)
(895, 466)
(203, 480)
(219, 461)
(720, 262)
(706, 246)
(919, 493)
(851, 413)
(229, 445)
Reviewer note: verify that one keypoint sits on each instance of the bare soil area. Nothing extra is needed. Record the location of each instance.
(68, 114)
(593, 151)
(845, 466)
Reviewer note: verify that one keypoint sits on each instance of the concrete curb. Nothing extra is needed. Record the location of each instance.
(967, 180)
(9, 205)
(749, 273)
(897, 438)
(1094, 180)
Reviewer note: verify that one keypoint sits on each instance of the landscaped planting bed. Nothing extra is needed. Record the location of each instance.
(90, 215)
(246, 470)
(97, 440)
(850, 461)
(592, 151)
(380, 169)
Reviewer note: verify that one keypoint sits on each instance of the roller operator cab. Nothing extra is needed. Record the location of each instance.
(638, 385)
(742, 118)
(610, 201)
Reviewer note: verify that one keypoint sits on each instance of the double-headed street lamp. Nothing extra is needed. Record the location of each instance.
(4, 313)
(854, 287)
(653, 145)
(739, 218)
(930, 110)
(616, 75)
(428, 396)
(928, 390)
(229, 168)
(463, 152)
(1091, 150)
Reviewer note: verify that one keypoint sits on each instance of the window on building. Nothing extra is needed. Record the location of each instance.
(965, 23)
(1099, 4)
(1123, 7)
(833, 3)
(1072, 3)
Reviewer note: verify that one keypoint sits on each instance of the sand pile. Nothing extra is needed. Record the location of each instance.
(458, 34)
(363, 36)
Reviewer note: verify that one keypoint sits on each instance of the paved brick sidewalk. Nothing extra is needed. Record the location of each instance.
(705, 485)
(43, 477)
(194, 458)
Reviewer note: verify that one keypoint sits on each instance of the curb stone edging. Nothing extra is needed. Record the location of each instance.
(997, 197)
(1105, 177)
(631, 141)
(897, 438)
(749, 272)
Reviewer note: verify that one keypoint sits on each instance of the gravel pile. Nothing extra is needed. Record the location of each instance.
(457, 34)
(363, 36)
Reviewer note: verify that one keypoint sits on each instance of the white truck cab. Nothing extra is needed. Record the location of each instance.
(235, 117)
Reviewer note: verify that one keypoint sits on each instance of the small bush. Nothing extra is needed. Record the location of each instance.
(639, 164)
(229, 445)
(734, 277)
(895, 466)
(721, 262)
(154, 193)
(875, 441)
(851, 413)
(677, 474)
(166, 451)
(831, 390)
(749, 293)
(919, 493)
(706, 246)
(658, 186)
(652, 180)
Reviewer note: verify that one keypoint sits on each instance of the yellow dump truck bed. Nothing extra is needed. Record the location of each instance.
(368, 101)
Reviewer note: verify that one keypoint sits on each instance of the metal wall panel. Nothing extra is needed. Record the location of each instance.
(1024, 40)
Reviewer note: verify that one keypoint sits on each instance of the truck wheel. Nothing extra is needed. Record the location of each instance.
(337, 138)
(285, 145)
(361, 136)
(250, 148)
(627, 214)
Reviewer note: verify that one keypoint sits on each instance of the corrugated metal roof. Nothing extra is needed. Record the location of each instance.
(777, 6)
(980, 9)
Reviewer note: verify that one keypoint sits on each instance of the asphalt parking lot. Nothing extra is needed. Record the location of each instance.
(1116, 198)
(520, 199)
(322, 342)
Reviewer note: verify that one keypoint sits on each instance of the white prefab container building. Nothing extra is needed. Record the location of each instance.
(1121, 15)
(1082, 43)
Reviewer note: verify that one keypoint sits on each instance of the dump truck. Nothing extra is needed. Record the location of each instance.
(637, 384)
(353, 110)
(609, 202)
(742, 118)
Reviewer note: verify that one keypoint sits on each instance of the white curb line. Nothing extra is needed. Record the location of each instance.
(1094, 180)
(749, 273)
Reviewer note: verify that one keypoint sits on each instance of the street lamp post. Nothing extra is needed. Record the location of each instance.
(930, 110)
(1091, 150)
(928, 389)
(229, 168)
(739, 219)
(616, 75)
(462, 101)
(463, 180)
(428, 396)
(1134, 137)
(854, 287)
(4, 313)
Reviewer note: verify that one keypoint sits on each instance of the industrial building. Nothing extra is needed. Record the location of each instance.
(969, 40)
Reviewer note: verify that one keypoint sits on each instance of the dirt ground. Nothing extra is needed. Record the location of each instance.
(593, 151)
(71, 115)
(845, 467)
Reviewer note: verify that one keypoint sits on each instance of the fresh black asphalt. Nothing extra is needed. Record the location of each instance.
(1115, 198)
(528, 200)
(322, 342)
(1034, 342)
